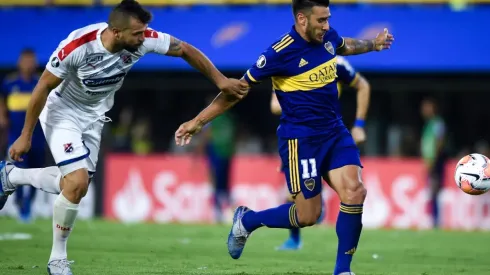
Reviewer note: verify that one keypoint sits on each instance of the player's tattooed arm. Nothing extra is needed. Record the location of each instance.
(201, 62)
(175, 48)
(353, 46)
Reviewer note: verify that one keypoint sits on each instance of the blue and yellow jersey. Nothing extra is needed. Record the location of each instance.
(304, 78)
(346, 74)
(17, 94)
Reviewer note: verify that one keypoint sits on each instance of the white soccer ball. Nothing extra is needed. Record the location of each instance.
(472, 174)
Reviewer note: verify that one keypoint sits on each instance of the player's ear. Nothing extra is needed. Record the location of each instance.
(302, 19)
(117, 33)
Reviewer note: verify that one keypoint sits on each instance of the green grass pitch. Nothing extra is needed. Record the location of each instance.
(106, 248)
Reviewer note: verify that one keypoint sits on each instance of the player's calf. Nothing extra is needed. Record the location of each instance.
(308, 210)
(346, 181)
(75, 185)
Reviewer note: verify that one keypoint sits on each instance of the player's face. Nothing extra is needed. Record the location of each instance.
(317, 25)
(427, 109)
(27, 63)
(132, 37)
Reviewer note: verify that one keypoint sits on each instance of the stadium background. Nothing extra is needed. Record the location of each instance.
(440, 50)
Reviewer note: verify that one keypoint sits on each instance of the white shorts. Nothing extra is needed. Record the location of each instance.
(73, 145)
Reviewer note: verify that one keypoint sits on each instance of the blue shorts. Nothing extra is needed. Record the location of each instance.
(306, 160)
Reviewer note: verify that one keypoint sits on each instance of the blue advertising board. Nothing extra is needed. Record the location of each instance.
(427, 38)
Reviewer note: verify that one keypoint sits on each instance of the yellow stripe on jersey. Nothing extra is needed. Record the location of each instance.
(18, 102)
(294, 166)
(250, 76)
(285, 41)
(315, 78)
(343, 43)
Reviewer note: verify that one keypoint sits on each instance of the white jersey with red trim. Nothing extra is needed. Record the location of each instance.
(91, 74)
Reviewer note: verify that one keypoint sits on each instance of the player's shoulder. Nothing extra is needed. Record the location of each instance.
(152, 33)
(283, 44)
(278, 49)
(78, 40)
(331, 34)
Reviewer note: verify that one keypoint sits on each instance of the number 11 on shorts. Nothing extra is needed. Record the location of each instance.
(306, 163)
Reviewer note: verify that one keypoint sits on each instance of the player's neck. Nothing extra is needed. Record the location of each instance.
(108, 42)
(26, 76)
(301, 33)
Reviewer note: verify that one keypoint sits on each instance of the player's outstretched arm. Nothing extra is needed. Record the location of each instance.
(46, 83)
(201, 62)
(353, 46)
(363, 94)
(220, 104)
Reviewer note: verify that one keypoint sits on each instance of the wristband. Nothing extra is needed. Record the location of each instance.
(359, 123)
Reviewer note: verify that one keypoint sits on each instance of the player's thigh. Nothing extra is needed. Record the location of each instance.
(301, 169)
(67, 147)
(92, 137)
(344, 170)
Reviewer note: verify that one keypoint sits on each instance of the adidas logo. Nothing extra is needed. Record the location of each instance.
(302, 62)
(351, 252)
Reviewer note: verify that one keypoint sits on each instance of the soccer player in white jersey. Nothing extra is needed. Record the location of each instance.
(71, 99)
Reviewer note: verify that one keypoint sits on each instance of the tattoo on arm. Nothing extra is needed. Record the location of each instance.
(175, 48)
(356, 46)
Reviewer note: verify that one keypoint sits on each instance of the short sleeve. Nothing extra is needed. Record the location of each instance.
(345, 72)
(61, 63)
(335, 38)
(156, 42)
(268, 64)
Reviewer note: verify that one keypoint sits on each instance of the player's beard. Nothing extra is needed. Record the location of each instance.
(131, 48)
(312, 35)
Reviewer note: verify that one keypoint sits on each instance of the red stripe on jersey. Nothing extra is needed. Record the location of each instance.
(73, 45)
(151, 34)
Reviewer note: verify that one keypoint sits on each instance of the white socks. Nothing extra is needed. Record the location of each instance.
(47, 179)
(64, 215)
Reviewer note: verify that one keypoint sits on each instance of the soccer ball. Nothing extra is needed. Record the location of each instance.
(472, 174)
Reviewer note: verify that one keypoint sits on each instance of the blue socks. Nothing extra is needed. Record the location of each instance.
(349, 226)
(283, 216)
(294, 234)
(435, 212)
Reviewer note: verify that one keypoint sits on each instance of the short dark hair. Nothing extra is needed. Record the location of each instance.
(27, 51)
(128, 8)
(300, 5)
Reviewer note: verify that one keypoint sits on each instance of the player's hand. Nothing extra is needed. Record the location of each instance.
(358, 134)
(20, 147)
(184, 134)
(383, 40)
(234, 87)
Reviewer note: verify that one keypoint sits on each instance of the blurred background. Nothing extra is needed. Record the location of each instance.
(429, 105)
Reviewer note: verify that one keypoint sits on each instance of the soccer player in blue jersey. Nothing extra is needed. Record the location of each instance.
(16, 92)
(346, 75)
(313, 141)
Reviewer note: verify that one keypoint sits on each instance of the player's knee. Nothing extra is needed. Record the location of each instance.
(75, 185)
(354, 192)
(308, 216)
